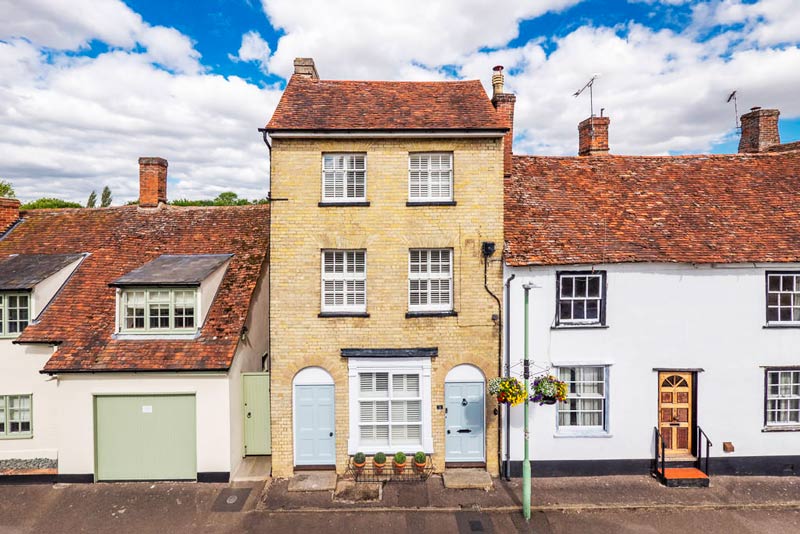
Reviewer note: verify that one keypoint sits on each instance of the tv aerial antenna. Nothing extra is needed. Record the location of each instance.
(732, 96)
(589, 85)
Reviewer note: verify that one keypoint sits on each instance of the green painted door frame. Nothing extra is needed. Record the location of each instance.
(255, 410)
(145, 437)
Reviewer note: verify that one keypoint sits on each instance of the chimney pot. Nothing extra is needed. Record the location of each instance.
(498, 81)
(593, 136)
(304, 67)
(152, 182)
(759, 130)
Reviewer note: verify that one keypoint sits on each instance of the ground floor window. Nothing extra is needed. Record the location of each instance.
(15, 415)
(783, 397)
(586, 406)
(390, 405)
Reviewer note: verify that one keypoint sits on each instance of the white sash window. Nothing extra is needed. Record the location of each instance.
(430, 177)
(344, 281)
(344, 177)
(430, 280)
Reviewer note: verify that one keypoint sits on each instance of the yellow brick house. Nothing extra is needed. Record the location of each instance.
(385, 269)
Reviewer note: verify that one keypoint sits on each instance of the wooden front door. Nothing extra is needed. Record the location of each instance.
(675, 423)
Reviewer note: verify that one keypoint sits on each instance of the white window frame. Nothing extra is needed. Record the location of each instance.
(4, 315)
(345, 278)
(353, 164)
(5, 417)
(126, 292)
(427, 277)
(584, 430)
(782, 395)
(573, 298)
(424, 172)
(419, 366)
(782, 294)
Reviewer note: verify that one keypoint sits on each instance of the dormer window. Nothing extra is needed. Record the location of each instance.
(15, 312)
(170, 295)
(159, 310)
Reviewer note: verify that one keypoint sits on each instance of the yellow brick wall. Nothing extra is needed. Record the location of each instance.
(387, 229)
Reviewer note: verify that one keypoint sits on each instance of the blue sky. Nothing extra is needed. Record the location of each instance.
(87, 87)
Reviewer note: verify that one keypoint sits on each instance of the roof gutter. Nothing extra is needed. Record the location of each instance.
(432, 134)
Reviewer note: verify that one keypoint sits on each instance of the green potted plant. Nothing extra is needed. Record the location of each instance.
(548, 390)
(359, 461)
(399, 463)
(420, 460)
(378, 462)
(507, 390)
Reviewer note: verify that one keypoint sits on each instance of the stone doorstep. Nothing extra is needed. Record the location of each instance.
(313, 481)
(467, 479)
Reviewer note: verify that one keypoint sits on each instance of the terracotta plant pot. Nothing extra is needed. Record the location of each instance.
(359, 467)
(419, 468)
(378, 467)
(399, 468)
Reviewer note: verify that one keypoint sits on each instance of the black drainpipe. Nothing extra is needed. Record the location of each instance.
(507, 462)
(487, 249)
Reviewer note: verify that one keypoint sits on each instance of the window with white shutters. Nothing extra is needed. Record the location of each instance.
(344, 281)
(390, 410)
(783, 398)
(344, 177)
(430, 280)
(430, 177)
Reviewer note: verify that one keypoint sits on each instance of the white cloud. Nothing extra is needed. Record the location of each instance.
(763, 23)
(364, 39)
(254, 48)
(77, 124)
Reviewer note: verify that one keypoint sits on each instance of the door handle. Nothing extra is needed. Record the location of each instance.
(249, 415)
(464, 431)
(464, 402)
(448, 431)
(330, 435)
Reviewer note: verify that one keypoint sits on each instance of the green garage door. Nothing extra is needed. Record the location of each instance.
(145, 437)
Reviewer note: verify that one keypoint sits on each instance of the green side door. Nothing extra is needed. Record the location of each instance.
(257, 436)
(145, 437)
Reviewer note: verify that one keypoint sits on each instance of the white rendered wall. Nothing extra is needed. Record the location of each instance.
(19, 375)
(659, 316)
(75, 413)
(45, 290)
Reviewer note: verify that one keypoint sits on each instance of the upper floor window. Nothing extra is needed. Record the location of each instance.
(430, 177)
(14, 313)
(159, 310)
(344, 177)
(581, 298)
(783, 397)
(783, 298)
(15, 416)
(344, 281)
(430, 280)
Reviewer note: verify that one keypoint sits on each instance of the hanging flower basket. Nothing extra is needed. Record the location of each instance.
(548, 390)
(507, 390)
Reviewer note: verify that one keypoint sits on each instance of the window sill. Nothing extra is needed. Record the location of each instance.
(584, 434)
(21, 436)
(416, 203)
(578, 326)
(343, 314)
(354, 204)
(149, 336)
(779, 326)
(787, 428)
(414, 315)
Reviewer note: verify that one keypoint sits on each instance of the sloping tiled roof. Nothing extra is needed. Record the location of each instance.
(24, 271)
(309, 104)
(118, 240)
(614, 209)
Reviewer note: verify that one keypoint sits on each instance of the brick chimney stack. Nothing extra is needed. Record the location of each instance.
(304, 66)
(759, 130)
(152, 182)
(504, 104)
(593, 136)
(9, 213)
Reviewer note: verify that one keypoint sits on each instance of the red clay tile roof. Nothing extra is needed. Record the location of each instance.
(118, 240)
(309, 104)
(615, 209)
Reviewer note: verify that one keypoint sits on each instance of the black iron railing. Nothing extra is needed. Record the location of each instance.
(702, 461)
(389, 473)
(658, 447)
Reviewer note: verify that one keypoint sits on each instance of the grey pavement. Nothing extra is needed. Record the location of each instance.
(731, 505)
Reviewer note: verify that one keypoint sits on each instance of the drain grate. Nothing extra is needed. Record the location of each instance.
(469, 523)
(231, 500)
